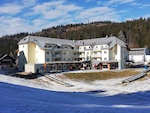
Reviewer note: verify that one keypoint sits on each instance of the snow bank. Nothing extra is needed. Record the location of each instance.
(42, 95)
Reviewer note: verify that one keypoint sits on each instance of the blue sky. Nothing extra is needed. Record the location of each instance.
(34, 15)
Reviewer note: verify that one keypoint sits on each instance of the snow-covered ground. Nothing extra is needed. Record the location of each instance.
(42, 95)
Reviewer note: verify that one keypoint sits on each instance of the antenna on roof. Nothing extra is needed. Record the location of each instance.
(88, 21)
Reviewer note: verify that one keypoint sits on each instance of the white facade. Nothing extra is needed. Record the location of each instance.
(139, 55)
(40, 55)
(41, 50)
(102, 53)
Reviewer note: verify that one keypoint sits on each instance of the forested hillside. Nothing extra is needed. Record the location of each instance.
(135, 33)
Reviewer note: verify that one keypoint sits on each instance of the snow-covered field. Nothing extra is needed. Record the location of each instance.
(42, 95)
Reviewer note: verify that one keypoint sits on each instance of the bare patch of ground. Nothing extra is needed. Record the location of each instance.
(103, 75)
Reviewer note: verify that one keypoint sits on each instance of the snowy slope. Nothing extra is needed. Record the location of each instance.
(45, 96)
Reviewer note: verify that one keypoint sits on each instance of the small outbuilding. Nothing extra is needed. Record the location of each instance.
(6, 61)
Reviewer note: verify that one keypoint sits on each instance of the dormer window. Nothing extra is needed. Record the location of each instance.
(105, 52)
(58, 47)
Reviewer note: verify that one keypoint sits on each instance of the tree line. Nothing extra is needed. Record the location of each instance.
(135, 33)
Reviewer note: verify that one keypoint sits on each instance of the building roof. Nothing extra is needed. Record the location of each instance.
(6, 57)
(110, 41)
(42, 41)
(137, 49)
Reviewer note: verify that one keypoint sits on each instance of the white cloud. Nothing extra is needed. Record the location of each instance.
(35, 17)
(112, 2)
(42, 16)
(10, 9)
(54, 14)
(15, 7)
(11, 25)
(126, 1)
(145, 5)
(99, 14)
(28, 3)
(54, 10)
(94, 12)
(135, 4)
(39, 22)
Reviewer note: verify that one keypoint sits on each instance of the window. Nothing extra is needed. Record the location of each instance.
(105, 51)
(77, 47)
(87, 52)
(58, 47)
(47, 52)
(84, 47)
(105, 58)
(47, 59)
(95, 58)
(89, 47)
(57, 53)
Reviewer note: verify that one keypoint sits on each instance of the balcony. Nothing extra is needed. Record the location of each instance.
(56, 56)
(97, 49)
(81, 56)
(96, 55)
(75, 56)
(81, 50)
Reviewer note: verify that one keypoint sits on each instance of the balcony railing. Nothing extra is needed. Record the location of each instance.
(56, 56)
(81, 56)
(97, 49)
(96, 55)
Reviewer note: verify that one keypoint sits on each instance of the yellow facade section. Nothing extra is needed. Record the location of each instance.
(31, 52)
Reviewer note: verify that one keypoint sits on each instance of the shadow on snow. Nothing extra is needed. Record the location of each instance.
(20, 99)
